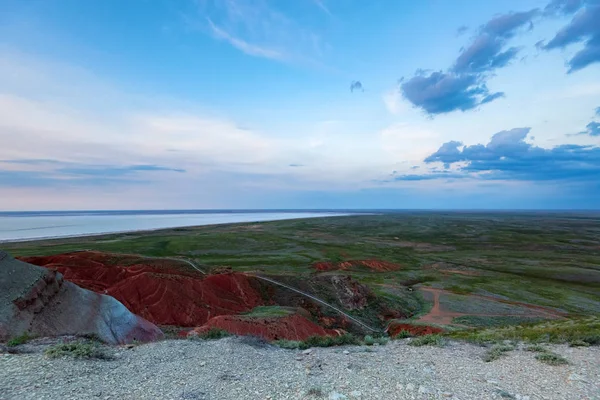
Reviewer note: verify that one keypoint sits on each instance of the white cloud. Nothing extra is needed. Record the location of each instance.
(257, 28)
(250, 49)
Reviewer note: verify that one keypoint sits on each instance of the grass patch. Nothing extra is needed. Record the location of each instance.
(329, 341)
(322, 341)
(370, 340)
(578, 343)
(211, 334)
(585, 330)
(18, 340)
(428, 340)
(459, 289)
(551, 358)
(77, 350)
(403, 334)
(269, 312)
(493, 322)
(537, 348)
(497, 351)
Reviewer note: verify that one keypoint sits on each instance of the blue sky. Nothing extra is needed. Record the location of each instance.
(156, 104)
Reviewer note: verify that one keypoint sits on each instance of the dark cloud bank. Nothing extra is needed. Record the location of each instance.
(508, 156)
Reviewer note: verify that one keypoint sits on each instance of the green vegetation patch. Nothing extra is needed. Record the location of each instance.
(78, 350)
(320, 341)
(537, 348)
(564, 331)
(497, 351)
(428, 340)
(495, 321)
(270, 312)
(211, 334)
(18, 340)
(551, 358)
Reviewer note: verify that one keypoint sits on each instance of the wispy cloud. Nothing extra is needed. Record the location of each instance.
(250, 49)
(258, 28)
(322, 6)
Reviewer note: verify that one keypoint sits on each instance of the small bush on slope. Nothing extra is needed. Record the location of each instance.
(79, 350)
(325, 341)
(328, 341)
(18, 340)
(496, 352)
(537, 348)
(428, 340)
(403, 334)
(551, 358)
(212, 334)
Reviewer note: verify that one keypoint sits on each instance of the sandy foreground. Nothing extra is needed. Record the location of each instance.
(246, 368)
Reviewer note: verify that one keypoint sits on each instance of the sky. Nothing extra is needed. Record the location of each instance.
(219, 104)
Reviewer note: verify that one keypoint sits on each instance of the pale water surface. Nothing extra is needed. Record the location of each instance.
(37, 225)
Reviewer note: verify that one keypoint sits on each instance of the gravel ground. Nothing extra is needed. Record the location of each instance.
(243, 368)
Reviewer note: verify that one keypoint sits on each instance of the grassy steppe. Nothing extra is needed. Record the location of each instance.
(545, 259)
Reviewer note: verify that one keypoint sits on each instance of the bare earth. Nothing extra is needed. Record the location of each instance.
(242, 368)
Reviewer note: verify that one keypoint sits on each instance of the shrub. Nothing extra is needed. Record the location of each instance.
(369, 341)
(551, 358)
(403, 334)
(212, 334)
(578, 343)
(428, 340)
(328, 341)
(79, 350)
(18, 340)
(496, 352)
(382, 341)
(537, 348)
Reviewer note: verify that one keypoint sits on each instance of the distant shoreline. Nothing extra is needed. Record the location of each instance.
(310, 215)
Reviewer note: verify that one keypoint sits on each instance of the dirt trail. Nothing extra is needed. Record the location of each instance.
(436, 315)
(317, 300)
(439, 316)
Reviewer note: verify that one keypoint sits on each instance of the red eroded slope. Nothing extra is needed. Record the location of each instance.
(291, 327)
(184, 301)
(415, 330)
(375, 265)
(164, 294)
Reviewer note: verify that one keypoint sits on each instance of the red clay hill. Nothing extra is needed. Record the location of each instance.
(374, 265)
(166, 292)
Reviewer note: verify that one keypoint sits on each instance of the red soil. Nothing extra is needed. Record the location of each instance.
(291, 327)
(415, 330)
(375, 265)
(161, 295)
(183, 301)
(439, 316)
